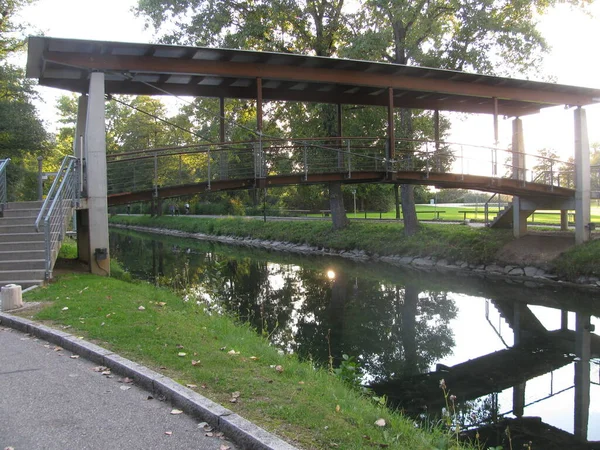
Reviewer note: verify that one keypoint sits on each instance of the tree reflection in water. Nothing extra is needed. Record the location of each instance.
(392, 328)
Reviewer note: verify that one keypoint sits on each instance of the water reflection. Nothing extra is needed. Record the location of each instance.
(408, 330)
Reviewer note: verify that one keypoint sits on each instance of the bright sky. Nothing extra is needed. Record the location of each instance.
(572, 35)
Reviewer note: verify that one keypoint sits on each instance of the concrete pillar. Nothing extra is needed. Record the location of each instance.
(582, 178)
(518, 150)
(582, 376)
(78, 145)
(95, 154)
(391, 153)
(518, 173)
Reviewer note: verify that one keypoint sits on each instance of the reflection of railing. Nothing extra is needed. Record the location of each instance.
(171, 166)
(3, 187)
(498, 330)
(58, 208)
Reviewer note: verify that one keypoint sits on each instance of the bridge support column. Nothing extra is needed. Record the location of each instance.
(78, 145)
(95, 156)
(582, 376)
(518, 173)
(582, 178)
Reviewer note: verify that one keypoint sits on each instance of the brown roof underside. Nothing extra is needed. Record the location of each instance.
(149, 69)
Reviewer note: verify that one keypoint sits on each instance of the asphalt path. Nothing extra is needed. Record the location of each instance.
(49, 400)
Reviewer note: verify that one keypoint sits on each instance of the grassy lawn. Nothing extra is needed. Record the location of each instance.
(456, 214)
(455, 242)
(216, 356)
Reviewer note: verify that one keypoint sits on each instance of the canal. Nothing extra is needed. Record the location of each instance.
(517, 355)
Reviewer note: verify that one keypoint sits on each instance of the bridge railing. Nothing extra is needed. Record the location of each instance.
(151, 169)
(3, 185)
(57, 209)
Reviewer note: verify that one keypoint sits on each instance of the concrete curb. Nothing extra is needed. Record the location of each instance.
(239, 430)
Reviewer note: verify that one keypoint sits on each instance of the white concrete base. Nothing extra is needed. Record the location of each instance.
(10, 297)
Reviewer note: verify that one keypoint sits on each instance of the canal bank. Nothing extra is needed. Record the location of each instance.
(547, 258)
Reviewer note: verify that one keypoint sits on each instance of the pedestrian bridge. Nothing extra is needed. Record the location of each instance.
(163, 173)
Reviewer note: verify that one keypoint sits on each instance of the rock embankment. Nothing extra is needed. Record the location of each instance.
(516, 272)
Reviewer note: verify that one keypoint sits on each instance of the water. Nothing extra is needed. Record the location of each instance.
(505, 350)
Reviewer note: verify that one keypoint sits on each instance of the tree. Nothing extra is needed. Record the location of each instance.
(314, 27)
(486, 36)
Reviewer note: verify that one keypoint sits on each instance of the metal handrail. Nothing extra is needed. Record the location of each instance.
(57, 209)
(3, 186)
(53, 190)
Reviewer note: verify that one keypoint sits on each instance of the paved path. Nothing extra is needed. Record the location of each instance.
(50, 401)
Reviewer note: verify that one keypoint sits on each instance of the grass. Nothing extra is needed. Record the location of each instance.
(454, 214)
(583, 260)
(454, 242)
(306, 405)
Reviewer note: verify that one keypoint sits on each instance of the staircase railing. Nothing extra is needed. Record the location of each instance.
(3, 188)
(57, 209)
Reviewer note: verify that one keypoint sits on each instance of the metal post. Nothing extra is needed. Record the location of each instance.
(209, 168)
(155, 174)
(305, 163)
(40, 159)
(354, 195)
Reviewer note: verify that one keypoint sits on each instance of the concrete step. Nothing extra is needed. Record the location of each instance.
(33, 213)
(15, 276)
(16, 246)
(8, 229)
(21, 237)
(23, 264)
(17, 221)
(24, 205)
(19, 255)
(23, 283)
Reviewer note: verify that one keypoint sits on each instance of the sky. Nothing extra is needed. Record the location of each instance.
(571, 34)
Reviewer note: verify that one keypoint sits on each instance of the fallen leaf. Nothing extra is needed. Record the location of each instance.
(125, 388)
(57, 349)
(74, 356)
(234, 397)
(99, 368)
(209, 434)
(380, 422)
(181, 354)
(195, 363)
(279, 369)
(168, 433)
(337, 408)
(223, 349)
(224, 447)
(176, 412)
(253, 358)
(161, 304)
(179, 346)
(233, 352)
(300, 382)
(106, 372)
(65, 308)
(141, 308)
(127, 380)
(205, 426)
(203, 386)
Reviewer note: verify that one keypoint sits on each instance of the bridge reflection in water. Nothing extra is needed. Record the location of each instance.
(175, 171)
(492, 342)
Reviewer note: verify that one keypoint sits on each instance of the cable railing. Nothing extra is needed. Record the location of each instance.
(57, 209)
(3, 185)
(151, 169)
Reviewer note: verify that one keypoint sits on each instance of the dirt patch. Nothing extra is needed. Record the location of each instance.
(536, 249)
(66, 266)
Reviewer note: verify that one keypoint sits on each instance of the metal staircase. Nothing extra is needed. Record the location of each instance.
(31, 232)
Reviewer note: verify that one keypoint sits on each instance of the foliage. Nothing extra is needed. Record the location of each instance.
(579, 260)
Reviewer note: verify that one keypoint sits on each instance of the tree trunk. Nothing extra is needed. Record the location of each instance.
(336, 205)
(409, 212)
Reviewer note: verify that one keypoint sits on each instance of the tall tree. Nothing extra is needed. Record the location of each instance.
(309, 27)
(486, 36)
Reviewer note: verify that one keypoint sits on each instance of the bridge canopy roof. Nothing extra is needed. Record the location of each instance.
(152, 69)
